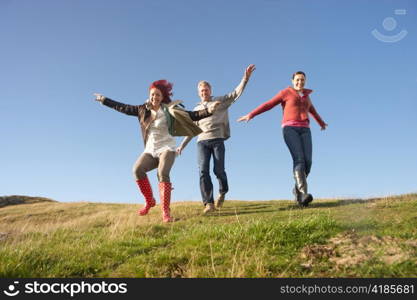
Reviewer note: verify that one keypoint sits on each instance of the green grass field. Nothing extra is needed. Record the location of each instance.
(331, 238)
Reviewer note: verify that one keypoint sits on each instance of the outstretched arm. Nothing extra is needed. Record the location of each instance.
(131, 110)
(277, 99)
(197, 115)
(230, 98)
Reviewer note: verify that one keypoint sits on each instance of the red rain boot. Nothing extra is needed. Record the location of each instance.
(146, 189)
(165, 194)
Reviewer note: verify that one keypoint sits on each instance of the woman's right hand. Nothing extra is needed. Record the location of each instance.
(99, 97)
(246, 118)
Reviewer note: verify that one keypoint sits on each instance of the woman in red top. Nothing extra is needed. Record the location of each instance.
(296, 105)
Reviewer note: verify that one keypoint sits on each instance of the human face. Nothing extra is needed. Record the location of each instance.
(204, 92)
(298, 82)
(155, 97)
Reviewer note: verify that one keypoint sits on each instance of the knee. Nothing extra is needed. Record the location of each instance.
(138, 173)
(299, 166)
(203, 167)
(163, 177)
(204, 173)
(219, 172)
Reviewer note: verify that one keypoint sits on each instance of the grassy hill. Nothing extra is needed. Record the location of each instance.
(331, 238)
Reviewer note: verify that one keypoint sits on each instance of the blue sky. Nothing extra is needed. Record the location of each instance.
(57, 142)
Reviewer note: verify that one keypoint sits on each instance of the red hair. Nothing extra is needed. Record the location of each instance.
(165, 87)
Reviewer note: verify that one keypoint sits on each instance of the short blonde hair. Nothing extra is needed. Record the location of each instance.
(203, 82)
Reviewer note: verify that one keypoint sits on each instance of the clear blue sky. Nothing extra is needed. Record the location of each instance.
(57, 142)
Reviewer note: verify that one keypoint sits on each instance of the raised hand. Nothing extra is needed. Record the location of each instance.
(99, 97)
(248, 72)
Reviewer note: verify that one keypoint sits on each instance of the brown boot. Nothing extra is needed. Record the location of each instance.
(220, 200)
(209, 208)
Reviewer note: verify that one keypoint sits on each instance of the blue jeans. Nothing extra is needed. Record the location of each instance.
(298, 140)
(206, 149)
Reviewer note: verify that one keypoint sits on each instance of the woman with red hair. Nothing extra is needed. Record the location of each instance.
(160, 120)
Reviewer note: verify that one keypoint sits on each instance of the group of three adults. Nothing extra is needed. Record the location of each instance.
(161, 119)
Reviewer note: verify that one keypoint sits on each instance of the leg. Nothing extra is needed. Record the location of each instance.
(295, 146)
(144, 164)
(307, 149)
(308, 153)
(292, 137)
(206, 186)
(289, 138)
(219, 171)
(166, 161)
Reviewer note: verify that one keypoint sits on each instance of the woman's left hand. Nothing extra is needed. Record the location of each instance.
(324, 126)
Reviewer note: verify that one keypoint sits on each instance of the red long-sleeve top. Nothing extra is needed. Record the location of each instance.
(295, 108)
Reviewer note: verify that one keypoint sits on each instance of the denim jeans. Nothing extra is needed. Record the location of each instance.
(298, 140)
(206, 149)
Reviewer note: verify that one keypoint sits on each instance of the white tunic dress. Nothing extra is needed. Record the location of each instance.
(159, 139)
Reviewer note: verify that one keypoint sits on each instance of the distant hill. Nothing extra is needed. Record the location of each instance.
(17, 199)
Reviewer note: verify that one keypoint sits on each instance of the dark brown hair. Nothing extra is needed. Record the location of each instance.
(299, 73)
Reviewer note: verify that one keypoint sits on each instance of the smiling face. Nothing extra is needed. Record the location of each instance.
(204, 91)
(298, 82)
(155, 97)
